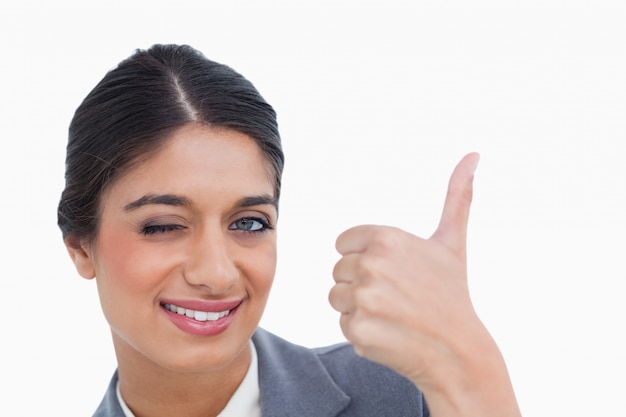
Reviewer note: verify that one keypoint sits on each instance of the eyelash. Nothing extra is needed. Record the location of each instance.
(154, 229)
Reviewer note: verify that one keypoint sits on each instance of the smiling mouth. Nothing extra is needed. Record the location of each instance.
(195, 314)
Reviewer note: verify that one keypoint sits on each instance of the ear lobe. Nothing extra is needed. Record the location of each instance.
(81, 257)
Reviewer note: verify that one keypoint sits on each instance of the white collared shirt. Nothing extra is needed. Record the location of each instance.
(245, 400)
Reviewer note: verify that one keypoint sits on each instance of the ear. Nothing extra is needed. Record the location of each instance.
(81, 256)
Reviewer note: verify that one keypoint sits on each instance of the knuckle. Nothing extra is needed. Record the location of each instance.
(369, 301)
(332, 298)
(338, 269)
(368, 266)
(340, 298)
(387, 237)
(362, 334)
(335, 298)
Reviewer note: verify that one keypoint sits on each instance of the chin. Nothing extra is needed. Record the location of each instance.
(205, 358)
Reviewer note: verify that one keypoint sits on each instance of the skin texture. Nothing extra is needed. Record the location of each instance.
(198, 250)
(404, 302)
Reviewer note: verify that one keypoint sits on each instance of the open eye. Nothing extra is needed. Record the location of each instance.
(250, 224)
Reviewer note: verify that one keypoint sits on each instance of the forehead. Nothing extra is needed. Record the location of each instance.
(197, 159)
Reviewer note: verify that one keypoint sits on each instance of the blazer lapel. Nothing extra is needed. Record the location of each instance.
(110, 407)
(293, 381)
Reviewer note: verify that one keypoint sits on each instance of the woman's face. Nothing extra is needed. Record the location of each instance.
(185, 253)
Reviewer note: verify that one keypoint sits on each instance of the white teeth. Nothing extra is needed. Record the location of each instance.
(197, 315)
(200, 315)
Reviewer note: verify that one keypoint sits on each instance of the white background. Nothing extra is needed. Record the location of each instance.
(376, 104)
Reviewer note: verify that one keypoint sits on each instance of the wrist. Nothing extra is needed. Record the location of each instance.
(469, 378)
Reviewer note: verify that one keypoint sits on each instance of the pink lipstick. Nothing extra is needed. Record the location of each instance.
(201, 317)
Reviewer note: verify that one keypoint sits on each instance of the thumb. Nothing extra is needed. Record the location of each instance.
(452, 229)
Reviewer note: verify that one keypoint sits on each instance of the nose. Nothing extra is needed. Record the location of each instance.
(210, 264)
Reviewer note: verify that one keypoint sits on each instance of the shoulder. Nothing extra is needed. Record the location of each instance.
(372, 389)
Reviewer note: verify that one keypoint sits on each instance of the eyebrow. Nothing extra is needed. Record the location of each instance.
(167, 199)
(176, 200)
(257, 200)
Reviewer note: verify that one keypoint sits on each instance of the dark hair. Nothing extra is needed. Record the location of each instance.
(137, 106)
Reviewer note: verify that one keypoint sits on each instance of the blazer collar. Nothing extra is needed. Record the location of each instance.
(293, 381)
(110, 407)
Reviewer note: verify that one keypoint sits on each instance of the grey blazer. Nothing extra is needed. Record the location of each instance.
(296, 381)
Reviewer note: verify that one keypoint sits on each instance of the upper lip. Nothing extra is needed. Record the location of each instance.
(214, 306)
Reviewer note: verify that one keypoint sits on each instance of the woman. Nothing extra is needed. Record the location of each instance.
(173, 177)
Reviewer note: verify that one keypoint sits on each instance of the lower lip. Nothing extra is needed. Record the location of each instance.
(201, 328)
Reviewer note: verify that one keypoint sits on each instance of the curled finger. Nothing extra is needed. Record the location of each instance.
(346, 269)
(341, 297)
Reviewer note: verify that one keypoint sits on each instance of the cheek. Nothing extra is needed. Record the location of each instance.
(126, 266)
(260, 267)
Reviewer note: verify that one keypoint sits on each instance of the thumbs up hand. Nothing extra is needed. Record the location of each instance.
(404, 303)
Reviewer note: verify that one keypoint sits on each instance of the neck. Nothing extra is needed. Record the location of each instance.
(152, 390)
